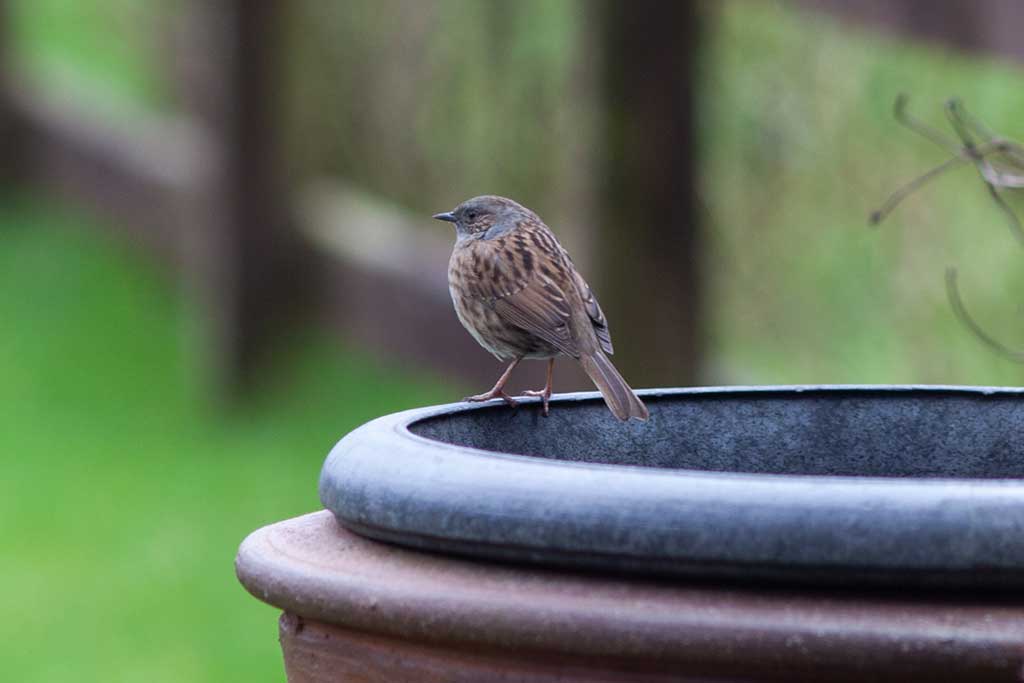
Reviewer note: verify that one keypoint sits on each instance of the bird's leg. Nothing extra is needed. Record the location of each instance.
(498, 390)
(545, 393)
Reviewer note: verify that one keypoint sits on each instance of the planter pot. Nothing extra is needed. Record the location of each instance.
(792, 533)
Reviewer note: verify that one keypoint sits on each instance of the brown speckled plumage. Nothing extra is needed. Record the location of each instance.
(518, 293)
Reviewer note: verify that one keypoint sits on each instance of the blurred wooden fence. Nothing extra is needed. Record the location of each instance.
(990, 26)
(204, 190)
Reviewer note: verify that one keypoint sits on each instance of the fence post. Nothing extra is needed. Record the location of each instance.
(650, 234)
(11, 143)
(250, 264)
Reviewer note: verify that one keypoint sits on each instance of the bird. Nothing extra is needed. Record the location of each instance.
(517, 292)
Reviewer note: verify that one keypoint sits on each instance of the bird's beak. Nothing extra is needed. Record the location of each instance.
(446, 216)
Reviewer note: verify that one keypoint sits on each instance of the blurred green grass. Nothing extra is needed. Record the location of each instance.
(113, 45)
(122, 501)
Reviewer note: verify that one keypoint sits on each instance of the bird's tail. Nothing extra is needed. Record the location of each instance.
(621, 400)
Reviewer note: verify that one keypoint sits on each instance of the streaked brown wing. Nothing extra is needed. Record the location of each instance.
(526, 298)
(593, 308)
(595, 313)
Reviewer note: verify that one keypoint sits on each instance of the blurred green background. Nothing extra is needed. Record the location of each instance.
(125, 491)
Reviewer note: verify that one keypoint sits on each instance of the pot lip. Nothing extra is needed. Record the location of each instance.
(386, 482)
(402, 423)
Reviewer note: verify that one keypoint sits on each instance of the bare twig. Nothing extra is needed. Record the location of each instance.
(909, 188)
(953, 293)
(995, 175)
(966, 148)
(995, 146)
(1011, 215)
(962, 119)
(974, 144)
(964, 123)
(899, 112)
(1000, 165)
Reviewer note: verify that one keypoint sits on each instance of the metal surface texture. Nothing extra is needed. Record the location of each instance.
(882, 485)
(361, 610)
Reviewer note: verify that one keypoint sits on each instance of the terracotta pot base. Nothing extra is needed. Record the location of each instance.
(359, 610)
(315, 652)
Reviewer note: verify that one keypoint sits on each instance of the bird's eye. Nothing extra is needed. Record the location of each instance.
(471, 215)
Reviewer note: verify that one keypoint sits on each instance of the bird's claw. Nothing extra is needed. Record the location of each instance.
(492, 394)
(545, 395)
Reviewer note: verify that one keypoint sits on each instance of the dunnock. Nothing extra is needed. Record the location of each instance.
(518, 293)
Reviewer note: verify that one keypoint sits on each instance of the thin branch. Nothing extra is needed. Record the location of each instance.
(1011, 149)
(963, 122)
(899, 112)
(994, 176)
(994, 172)
(1011, 215)
(909, 188)
(955, 109)
(966, 126)
(956, 114)
(953, 293)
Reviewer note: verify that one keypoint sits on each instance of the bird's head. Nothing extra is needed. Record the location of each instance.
(485, 217)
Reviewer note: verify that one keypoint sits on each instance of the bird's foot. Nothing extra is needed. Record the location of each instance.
(493, 393)
(545, 395)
